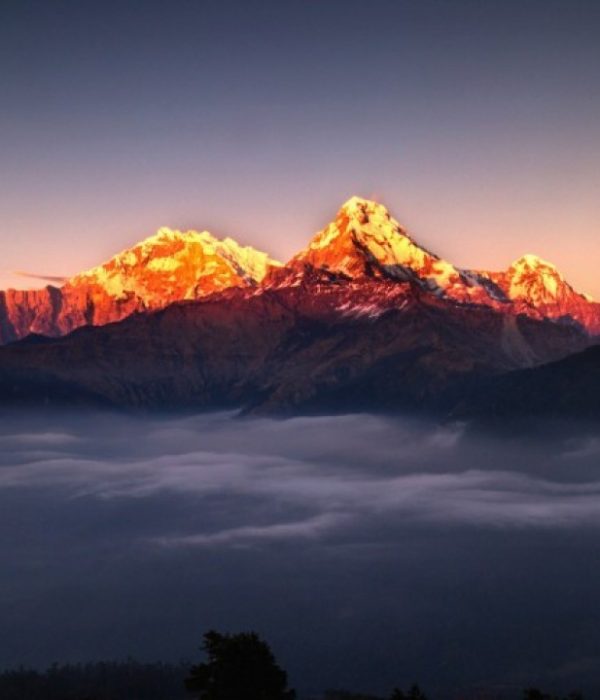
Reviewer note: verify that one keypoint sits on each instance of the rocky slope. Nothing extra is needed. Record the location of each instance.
(284, 349)
(168, 267)
(536, 288)
(363, 317)
(363, 242)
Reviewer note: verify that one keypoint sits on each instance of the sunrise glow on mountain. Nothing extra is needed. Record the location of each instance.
(299, 350)
(363, 242)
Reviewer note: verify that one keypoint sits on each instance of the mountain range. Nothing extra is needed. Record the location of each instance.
(362, 317)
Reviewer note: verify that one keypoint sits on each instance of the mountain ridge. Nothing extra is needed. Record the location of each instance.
(169, 266)
(362, 242)
(284, 349)
(362, 318)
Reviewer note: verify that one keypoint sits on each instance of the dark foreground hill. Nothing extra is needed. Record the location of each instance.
(566, 388)
(323, 343)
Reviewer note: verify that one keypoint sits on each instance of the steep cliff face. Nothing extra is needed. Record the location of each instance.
(168, 267)
(364, 240)
(29, 311)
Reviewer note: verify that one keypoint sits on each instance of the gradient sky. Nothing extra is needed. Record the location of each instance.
(476, 123)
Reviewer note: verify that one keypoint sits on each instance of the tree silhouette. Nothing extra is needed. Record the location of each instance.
(536, 694)
(414, 693)
(238, 667)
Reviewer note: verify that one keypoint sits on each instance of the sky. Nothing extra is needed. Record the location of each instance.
(369, 551)
(476, 123)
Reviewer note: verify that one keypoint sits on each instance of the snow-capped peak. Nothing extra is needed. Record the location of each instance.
(535, 280)
(533, 262)
(364, 239)
(356, 203)
(361, 227)
(172, 265)
(536, 287)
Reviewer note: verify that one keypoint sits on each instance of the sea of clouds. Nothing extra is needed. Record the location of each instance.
(335, 536)
(328, 473)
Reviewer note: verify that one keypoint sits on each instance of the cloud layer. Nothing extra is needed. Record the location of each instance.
(56, 279)
(309, 477)
(369, 550)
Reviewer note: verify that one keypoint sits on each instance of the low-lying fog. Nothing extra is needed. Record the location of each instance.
(369, 551)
